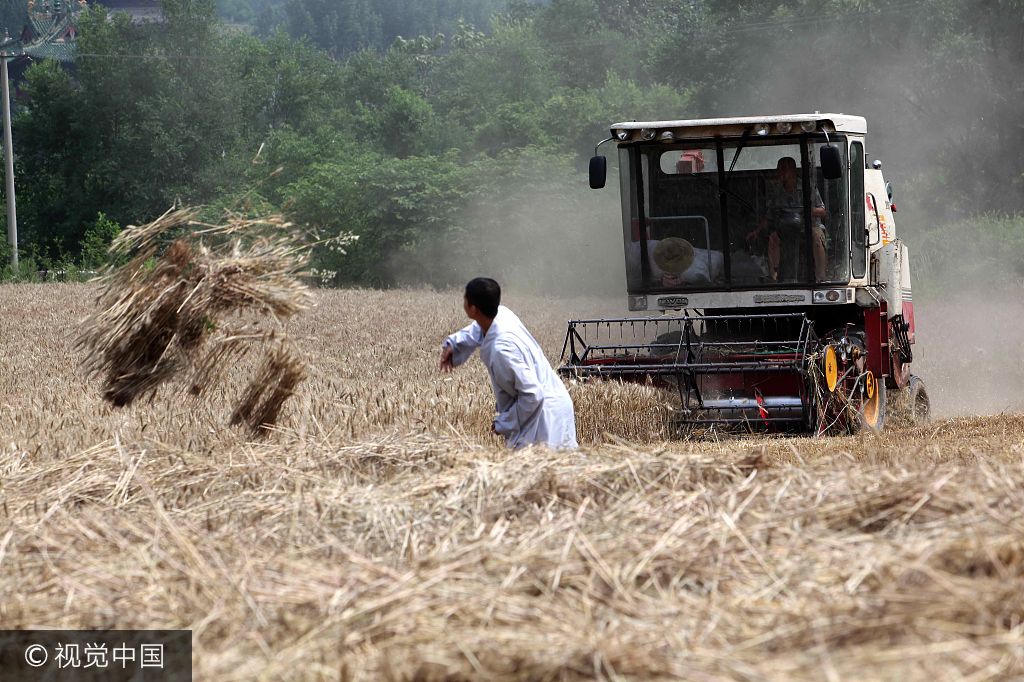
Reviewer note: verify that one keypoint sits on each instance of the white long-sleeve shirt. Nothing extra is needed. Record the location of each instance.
(532, 403)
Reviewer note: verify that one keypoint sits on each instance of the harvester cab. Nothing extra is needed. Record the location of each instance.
(767, 284)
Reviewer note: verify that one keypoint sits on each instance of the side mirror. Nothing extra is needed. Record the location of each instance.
(598, 171)
(888, 190)
(831, 162)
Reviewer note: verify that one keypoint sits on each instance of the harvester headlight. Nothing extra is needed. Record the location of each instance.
(622, 135)
(808, 126)
(830, 296)
(761, 129)
(667, 136)
(784, 127)
(647, 134)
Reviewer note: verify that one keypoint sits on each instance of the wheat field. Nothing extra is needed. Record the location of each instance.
(380, 533)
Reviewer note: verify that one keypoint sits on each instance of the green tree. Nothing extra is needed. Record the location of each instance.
(491, 87)
(157, 114)
(584, 46)
(96, 242)
(13, 16)
(52, 200)
(394, 205)
(449, 132)
(337, 26)
(343, 27)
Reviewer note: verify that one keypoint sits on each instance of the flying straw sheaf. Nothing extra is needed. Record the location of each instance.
(191, 301)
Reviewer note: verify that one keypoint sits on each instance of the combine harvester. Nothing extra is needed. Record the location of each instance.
(762, 261)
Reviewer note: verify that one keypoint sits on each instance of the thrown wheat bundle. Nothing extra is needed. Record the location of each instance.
(192, 300)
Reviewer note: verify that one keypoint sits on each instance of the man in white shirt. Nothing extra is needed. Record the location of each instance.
(532, 403)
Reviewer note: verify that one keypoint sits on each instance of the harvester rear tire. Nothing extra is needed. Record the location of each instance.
(919, 405)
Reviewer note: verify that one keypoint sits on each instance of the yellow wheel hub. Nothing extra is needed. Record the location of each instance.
(871, 409)
(831, 368)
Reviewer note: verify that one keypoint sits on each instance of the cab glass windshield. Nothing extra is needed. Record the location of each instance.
(720, 215)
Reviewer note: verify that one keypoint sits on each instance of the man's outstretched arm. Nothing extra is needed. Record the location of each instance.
(458, 347)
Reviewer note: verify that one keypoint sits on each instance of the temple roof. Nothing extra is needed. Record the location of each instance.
(51, 29)
(62, 52)
(51, 34)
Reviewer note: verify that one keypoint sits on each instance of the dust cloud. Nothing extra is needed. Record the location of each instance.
(548, 236)
(547, 247)
(569, 245)
(968, 353)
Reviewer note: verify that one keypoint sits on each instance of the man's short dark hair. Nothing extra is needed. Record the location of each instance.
(786, 161)
(485, 294)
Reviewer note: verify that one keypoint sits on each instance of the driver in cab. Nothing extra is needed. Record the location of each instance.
(784, 224)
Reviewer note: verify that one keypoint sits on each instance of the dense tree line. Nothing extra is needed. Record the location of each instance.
(341, 27)
(452, 137)
(13, 14)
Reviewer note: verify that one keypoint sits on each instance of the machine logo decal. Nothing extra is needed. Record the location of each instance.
(673, 301)
(779, 298)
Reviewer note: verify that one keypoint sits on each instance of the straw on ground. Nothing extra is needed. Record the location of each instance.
(379, 533)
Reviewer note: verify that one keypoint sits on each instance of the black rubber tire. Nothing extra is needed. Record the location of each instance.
(918, 404)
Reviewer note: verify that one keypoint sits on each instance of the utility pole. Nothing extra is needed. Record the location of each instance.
(12, 212)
